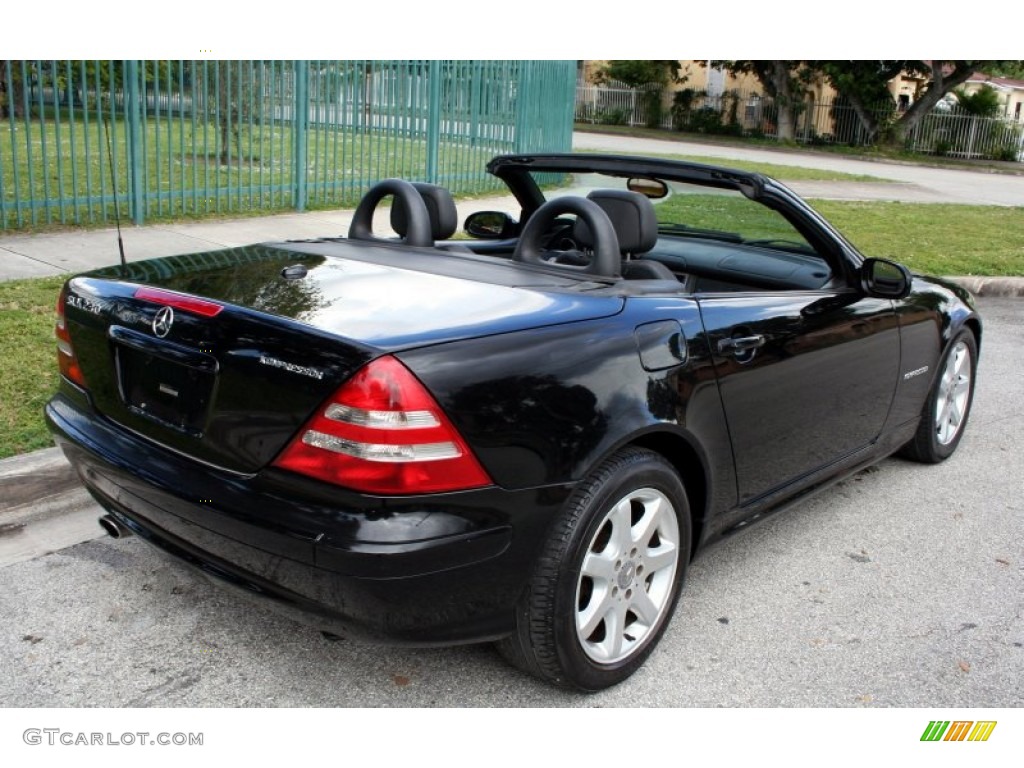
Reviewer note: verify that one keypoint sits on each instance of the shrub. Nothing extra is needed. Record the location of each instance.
(705, 120)
(612, 116)
(1005, 152)
(682, 107)
(731, 129)
(652, 108)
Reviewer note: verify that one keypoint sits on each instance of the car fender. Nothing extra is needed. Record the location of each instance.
(930, 318)
(546, 406)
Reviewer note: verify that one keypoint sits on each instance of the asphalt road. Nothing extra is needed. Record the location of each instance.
(901, 587)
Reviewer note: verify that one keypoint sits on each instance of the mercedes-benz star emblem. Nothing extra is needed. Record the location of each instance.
(163, 321)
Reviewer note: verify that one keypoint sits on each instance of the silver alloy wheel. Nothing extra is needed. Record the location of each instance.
(627, 576)
(954, 394)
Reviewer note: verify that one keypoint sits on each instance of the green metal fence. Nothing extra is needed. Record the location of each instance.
(189, 138)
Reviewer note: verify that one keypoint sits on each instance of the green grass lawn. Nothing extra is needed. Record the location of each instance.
(54, 174)
(28, 350)
(938, 239)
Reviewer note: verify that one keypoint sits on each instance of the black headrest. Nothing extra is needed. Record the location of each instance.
(631, 214)
(444, 219)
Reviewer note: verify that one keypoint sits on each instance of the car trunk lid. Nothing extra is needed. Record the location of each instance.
(229, 377)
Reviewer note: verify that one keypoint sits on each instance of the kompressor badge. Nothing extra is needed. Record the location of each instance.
(302, 370)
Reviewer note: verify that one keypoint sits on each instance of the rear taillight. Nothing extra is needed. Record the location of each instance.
(66, 358)
(382, 432)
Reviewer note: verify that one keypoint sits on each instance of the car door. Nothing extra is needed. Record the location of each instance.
(806, 379)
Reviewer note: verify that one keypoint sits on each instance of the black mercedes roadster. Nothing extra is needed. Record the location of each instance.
(522, 435)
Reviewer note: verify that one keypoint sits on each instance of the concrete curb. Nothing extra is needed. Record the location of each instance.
(33, 477)
(43, 507)
(992, 286)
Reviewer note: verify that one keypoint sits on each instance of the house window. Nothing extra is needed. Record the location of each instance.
(1016, 112)
(752, 110)
(904, 103)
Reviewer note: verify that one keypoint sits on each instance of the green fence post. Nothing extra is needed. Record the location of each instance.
(476, 77)
(132, 117)
(300, 124)
(522, 102)
(344, 125)
(433, 120)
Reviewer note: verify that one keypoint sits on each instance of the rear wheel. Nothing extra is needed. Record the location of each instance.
(608, 578)
(949, 403)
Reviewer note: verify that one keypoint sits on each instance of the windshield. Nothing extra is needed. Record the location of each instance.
(697, 211)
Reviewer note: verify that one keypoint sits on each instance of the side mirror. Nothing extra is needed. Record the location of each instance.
(491, 225)
(885, 279)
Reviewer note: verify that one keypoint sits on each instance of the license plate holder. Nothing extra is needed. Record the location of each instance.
(168, 388)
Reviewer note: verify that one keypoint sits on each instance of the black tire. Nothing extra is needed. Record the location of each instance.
(634, 580)
(945, 412)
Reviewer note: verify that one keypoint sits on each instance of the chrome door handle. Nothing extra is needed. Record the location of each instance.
(740, 344)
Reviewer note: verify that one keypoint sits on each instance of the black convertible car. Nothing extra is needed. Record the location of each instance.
(523, 436)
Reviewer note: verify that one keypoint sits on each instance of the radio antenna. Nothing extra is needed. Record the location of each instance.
(117, 208)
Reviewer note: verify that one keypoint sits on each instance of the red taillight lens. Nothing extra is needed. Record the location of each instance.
(179, 301)
(66, 358)
(382, 432)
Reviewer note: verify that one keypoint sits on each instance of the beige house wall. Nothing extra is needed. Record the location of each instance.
(698, 78)
(814, 93)
(1010, 93)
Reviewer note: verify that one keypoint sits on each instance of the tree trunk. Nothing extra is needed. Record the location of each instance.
(939, 87)
(865, 116)
(11, 104)
(5, 100)
(783, 101)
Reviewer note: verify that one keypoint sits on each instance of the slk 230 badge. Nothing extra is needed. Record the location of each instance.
(86, 305)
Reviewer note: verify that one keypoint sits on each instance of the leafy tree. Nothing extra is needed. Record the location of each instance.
(863, 85)
(15, 76)
(12, 89)
(945, 76)
(858, 81)
(1013, 70)
(782, 80)
(228, 91)
(984, 102)
(637, 73)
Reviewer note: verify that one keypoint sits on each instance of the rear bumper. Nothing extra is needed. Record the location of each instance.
(430, 570)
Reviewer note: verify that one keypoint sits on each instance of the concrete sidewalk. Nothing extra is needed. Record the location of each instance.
(56, 253)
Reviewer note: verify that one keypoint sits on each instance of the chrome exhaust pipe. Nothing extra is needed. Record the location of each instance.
(114, 528)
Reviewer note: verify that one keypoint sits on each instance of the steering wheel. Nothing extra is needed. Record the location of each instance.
(419, 231)
(606, 260)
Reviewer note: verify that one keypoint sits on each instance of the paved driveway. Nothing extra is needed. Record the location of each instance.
(903, 586)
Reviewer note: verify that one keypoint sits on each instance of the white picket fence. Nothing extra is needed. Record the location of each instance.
(613, 104)
(945, 131)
